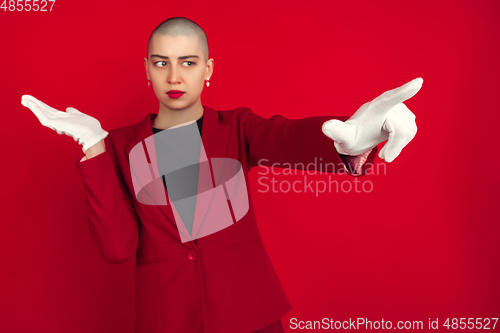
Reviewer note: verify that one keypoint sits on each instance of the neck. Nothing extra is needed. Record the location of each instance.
(172, 117)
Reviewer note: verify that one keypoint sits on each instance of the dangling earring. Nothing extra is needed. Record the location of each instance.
(149, 83)
(208, 83)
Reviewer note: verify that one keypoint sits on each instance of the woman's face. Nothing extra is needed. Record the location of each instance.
(177, 63)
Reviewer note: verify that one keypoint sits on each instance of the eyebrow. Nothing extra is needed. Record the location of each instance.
(183, 57)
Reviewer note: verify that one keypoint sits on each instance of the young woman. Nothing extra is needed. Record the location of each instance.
(208, 272)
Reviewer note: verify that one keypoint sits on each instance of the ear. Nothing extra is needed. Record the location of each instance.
(146, 67)
(210, 68)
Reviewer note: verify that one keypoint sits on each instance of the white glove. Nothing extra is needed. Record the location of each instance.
(386, 117)
(81, 127)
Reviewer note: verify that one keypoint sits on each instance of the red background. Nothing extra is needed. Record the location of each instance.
(423, 244)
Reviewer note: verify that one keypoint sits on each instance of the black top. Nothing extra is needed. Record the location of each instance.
(188, 176)
(199, 122)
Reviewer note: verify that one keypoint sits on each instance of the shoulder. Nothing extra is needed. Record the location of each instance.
(121, 136)
(232, 116)
(122, 133)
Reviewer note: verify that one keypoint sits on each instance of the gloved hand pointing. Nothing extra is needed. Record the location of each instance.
(385, 117)
(81, 127)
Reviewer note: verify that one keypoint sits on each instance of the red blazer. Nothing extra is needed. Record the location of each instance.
(221, 283)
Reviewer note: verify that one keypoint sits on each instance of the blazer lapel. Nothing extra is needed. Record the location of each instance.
(215, 137)
(144, 169)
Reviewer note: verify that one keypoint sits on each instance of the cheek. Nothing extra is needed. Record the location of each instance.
(154, 75)
(199, 77)
(197, 83)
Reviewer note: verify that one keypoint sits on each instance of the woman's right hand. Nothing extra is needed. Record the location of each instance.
(81, 127)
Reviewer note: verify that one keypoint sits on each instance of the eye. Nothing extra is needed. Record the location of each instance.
(189, 62)
(163, 63)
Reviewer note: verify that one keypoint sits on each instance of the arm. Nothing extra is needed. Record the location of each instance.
(356, 165)
(113, 222)
(294, 143)
(112, 218)
(95, 150)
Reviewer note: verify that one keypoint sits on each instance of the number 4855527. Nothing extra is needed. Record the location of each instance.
(28, 5)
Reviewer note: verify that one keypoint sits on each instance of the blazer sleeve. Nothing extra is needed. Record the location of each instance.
(113, 221)
(295, 144)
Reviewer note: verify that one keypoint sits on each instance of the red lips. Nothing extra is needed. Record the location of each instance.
(174, 93)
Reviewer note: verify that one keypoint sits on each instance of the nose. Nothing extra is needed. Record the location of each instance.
(174, 75)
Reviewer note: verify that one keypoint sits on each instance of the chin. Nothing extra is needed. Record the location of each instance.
(176, 105)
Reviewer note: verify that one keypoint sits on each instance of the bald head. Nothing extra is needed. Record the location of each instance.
(176, 26)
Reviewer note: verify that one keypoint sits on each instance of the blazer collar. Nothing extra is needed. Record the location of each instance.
(214, 141)
(214, 137)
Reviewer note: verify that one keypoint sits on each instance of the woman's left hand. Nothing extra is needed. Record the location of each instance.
(384, 118)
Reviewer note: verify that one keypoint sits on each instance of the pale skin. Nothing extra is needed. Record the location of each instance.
(175, 63)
